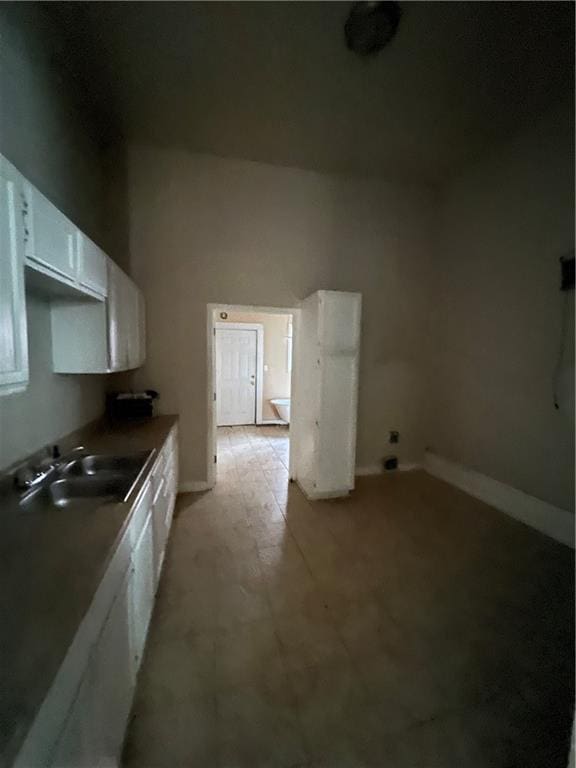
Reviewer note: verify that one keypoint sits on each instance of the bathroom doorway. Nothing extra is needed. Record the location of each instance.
(250, 387)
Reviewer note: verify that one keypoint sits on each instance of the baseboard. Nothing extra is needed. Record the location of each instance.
(272, 422)
(553, 521)
(323, 495)
(378, 469)
(194, 486)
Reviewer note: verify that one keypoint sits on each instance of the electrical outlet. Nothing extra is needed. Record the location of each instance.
(394, 436)
(567, 272)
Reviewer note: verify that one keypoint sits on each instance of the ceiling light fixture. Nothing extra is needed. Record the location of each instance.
(371, 25)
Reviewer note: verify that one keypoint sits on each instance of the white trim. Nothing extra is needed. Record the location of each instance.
(272, 422)
(194, 486)
(370, 469)
(378, 469)
(211, 310)
(553, 521)
(319, 495)
(259, 328)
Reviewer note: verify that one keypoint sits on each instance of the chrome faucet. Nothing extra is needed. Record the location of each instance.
(29, 476)
(26, 478)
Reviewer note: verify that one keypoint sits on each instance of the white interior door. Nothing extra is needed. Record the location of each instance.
(236, 360)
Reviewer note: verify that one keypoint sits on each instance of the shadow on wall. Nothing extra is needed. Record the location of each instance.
(116, 227)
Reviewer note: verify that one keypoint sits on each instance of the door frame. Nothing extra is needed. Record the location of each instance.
(211, 433)
(259, 328)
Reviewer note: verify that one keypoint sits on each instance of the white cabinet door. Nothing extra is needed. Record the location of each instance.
(126, 342)
(165, 478)
(51, 242)
(134, 324)
(160, 531)
(94, 730)
(114, 680)
(143, 589)
(92, 267)
(13, 328)
(140, 340)
(117, 319)
(77, 747)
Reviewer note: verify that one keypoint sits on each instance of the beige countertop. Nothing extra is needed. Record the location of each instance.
(51, 564)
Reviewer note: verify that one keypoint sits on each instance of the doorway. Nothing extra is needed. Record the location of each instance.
(250, 390)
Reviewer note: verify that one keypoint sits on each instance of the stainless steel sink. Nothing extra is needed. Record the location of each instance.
(89, 479)
(98, 463)
(103, 489)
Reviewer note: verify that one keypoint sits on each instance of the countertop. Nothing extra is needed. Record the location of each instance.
(51, 564)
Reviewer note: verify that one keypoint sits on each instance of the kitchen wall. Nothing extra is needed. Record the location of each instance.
(505, 223)
(207, 229)
(276, 372)
(49, 139)
(52, 405)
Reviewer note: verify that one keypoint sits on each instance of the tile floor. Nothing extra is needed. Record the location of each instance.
(408, 626)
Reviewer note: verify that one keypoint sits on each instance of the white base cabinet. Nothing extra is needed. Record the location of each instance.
(94, 730)
(83, 720)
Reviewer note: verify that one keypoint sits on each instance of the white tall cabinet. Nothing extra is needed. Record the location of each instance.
(325, 412)
(13, 331)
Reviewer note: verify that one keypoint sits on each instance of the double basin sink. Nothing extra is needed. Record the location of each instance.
(93, 479)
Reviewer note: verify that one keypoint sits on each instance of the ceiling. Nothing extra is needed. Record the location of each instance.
(275, 82)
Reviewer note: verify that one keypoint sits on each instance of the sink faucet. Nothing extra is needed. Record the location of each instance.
(29, 476)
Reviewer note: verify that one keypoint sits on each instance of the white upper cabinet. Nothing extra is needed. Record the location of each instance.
(13, 329)
(61, 260)
(97, 312)
(92, 265)
(100, 337)
(125, 321)
(50, 237)
(137, 349)
(118, 318)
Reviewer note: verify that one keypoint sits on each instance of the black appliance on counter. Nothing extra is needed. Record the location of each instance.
(131, 405)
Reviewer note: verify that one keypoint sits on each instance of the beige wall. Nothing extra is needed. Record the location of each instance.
(208, 230)
(461, 313)
(47, 138)
(52, 405)
(505, 223)
(276, 374)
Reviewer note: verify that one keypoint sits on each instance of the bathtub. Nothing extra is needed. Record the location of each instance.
(282, 408)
